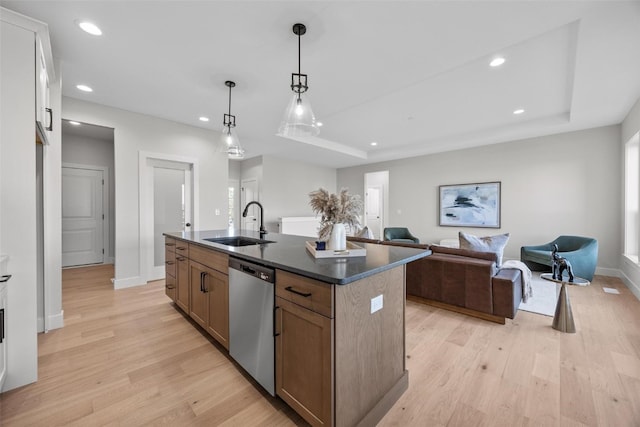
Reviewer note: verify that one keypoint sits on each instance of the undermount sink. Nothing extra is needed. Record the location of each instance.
(238, 241)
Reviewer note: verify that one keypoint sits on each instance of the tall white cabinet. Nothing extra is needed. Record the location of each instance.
(25, 59)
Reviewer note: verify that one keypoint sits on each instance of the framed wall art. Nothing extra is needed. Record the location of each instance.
(470, 205)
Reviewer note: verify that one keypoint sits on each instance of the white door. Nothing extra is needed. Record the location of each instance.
(172, 206)
(250, 194)
(373, 211)
(82, 216)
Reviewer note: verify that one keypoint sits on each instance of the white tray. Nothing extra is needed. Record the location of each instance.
(352, 250)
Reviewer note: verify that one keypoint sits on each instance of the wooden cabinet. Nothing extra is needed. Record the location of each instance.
(304, 347)
(210, 301)
(170, 268)
(200, 286)
(182, 282)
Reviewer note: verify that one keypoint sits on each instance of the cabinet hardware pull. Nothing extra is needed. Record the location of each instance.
(180, 258)
(170, 262)
(202, 281)
(5, 278)
(302, 294)
(169, 244)
(50, 112)
(1, 325)
(181, 248)
(170, 287)
(275, 334)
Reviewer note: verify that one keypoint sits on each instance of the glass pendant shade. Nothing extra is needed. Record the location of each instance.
(298, 119)
(231, 143)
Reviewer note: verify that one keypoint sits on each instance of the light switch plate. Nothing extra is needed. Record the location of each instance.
(376, 304)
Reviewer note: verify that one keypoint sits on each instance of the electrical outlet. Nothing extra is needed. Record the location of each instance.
(217, 211)
(376, 304)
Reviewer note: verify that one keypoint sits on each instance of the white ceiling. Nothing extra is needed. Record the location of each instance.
(410, 75)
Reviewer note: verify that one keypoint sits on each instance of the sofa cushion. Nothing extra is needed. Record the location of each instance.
(494, 244)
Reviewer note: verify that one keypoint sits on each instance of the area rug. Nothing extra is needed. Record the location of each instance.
(545, 296)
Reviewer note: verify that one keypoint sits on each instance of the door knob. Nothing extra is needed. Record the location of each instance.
(188, 224)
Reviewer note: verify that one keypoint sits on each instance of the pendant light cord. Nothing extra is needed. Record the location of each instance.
(229, 99)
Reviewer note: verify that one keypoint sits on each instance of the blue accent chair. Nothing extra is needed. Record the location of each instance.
(581, 252)
(399, 234)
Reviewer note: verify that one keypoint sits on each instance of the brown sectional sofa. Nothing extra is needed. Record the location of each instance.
(462, 280)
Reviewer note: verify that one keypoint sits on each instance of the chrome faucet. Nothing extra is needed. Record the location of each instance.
(246, 210)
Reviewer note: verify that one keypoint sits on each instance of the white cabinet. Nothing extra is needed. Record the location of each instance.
(44, 112)
(3, 328)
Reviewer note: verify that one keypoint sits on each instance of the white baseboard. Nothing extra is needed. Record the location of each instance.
(611, 272)
(633, 287)
(56, 321)
(128, 282)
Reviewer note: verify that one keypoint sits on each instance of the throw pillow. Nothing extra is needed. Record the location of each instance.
(494, 244)
(365, 232)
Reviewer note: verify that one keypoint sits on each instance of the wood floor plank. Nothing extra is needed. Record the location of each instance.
(129, 357)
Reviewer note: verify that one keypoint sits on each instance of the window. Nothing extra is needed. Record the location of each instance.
(632, 198)
(232, 204)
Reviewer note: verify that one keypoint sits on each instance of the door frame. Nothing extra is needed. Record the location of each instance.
(145, 200)
(378, 179)
(242, 199)
(105, 203)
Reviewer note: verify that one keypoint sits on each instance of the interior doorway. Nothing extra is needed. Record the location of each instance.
(167, 204)
(376, 203)
(83, 215)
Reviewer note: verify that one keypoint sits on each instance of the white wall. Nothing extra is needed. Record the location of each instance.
(137, 132)
(630, 270)
(83, 150)
(284, 186)
(561, 184)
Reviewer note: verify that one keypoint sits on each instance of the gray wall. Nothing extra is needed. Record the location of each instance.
(286, 187)
(83, 150)
(135, 133)
(561, 184)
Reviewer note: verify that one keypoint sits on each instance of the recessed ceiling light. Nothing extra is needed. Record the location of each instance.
(497, 61)
(84, 88)
(319, 124)
(73, 122)
(90, 28)
(518, 111)
(373, 144)
(204, 119)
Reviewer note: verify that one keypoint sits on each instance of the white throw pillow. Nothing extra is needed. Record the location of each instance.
(365, 232)
(485, 244)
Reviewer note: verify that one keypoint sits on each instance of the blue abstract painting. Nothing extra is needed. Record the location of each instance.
(470, 205)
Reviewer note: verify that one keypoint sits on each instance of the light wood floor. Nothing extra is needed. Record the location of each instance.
(130, 358)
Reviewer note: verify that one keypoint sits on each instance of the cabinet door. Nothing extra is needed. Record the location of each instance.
(217, 288)
(199, 307)
(182, 279)
(304, 365)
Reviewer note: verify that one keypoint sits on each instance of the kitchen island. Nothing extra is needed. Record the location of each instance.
(339, 323)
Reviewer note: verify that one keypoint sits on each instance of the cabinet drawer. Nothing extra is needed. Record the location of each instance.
(170, 287)
(182, 248)
(209, 257)
(312, 294)
(169, 244)
(169, 262)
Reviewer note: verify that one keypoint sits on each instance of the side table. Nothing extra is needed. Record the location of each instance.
(563, 318)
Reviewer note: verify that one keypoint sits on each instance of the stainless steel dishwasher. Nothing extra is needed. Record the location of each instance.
(251, 300)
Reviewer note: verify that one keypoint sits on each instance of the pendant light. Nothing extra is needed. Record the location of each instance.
(229, 137)
(298, 120)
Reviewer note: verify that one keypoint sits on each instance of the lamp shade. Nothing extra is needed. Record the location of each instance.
(298, 119)
(231, 143)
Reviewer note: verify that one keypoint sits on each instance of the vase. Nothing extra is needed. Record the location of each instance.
(338, 238)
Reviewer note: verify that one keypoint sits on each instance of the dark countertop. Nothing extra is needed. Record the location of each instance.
(290, 254)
